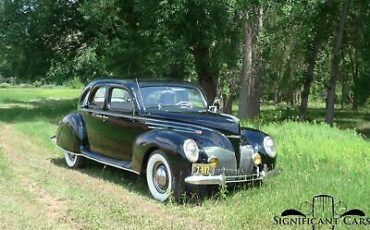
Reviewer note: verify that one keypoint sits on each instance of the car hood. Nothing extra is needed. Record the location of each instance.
(224, 123)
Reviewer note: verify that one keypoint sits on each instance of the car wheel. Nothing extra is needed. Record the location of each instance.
(73, 160)
(159, 176)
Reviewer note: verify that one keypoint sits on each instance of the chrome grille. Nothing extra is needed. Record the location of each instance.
(246, 159)
(226, 159)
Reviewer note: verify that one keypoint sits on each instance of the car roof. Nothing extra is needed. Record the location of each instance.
(143, 83)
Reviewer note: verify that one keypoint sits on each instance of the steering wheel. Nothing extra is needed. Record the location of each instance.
(184, 103)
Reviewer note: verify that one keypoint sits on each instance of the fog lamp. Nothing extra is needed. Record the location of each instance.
(213, 160)
(257, 159)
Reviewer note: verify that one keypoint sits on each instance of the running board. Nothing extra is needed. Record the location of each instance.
(107, 160)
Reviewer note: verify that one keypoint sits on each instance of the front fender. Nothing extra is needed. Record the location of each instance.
(169, 142)
(255, 138)
(71, 133)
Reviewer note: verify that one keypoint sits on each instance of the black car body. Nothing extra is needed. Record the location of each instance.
(166, 131)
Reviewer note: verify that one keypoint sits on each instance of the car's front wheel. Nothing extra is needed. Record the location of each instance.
(73, 160)
(159, 176)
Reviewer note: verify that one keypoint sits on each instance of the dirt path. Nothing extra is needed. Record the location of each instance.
(50, 188)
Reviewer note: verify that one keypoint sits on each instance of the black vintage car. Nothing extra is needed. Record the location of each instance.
(164, 130)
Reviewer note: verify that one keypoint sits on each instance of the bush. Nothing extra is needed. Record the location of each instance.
(24, 86)
(5, 85)
(74, 83)
(37, 84)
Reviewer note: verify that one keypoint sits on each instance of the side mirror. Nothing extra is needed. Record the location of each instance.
(215, 107)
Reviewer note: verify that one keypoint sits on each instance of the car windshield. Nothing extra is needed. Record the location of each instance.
(173, 98)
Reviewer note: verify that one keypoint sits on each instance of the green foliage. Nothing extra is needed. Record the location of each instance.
(361, 88)
(37, 84)
(5, 85)
(74, 83)
(55, 41)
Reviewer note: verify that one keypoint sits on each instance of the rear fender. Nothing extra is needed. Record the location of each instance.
(71, 134)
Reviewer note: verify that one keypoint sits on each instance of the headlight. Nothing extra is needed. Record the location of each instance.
(191, 150)
(269, 146)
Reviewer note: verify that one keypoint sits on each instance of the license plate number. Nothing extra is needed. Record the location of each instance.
(203, 169)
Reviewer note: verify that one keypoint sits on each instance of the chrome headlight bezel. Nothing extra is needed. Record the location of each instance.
(269, 146)
(191, 150)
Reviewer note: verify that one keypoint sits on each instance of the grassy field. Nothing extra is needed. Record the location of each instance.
(38, 191)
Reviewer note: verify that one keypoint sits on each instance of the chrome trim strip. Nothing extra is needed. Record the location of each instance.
(233, 136)
(164, 128)
(105, 163)
(176, 128)
(222, 179)
(102, 162)
(147, 119)
(200, 180)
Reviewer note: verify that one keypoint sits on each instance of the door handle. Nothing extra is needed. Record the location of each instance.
(97, 115)
(100, 116)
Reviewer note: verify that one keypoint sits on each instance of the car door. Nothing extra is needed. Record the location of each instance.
(94, 118)
(121, 128)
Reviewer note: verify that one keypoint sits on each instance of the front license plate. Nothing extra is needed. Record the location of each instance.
(203, 169)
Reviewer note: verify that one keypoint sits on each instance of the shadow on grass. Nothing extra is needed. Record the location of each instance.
(51, 110)
(130, 181)
(137, 183)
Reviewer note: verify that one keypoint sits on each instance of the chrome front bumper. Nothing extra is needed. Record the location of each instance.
(222, 179)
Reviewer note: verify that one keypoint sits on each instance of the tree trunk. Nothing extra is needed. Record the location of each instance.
(228, 104)
(343, 99)
(291, 90)
(335, 65)
(311, 59)
(249, 102)
(276, 96)
(309, 76)
(353, 97)
(355, 70)
(206, 77)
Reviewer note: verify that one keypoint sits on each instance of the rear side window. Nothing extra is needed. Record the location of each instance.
(120, 99)
(98, 98)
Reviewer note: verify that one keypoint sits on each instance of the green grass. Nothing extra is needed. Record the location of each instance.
(345, 118)
(38, 190)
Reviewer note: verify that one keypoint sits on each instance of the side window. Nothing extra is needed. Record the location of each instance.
(98, 99)
(120, 99)
(84, 97)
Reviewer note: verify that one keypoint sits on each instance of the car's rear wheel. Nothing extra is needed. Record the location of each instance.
(159, 176)
(73, 160)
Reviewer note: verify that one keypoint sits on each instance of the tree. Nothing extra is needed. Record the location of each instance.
(335, 64)
(320, 31)
(32, 32)
(210, 30)
(249, 102)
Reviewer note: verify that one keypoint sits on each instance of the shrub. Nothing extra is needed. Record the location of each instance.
(74, 83)
(5, 85)
(37, 83)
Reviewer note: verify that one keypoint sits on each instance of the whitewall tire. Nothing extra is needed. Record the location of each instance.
(72, 160)
(159, 176)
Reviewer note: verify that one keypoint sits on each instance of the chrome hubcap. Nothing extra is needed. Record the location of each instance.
(71, 157)
(160, 177)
